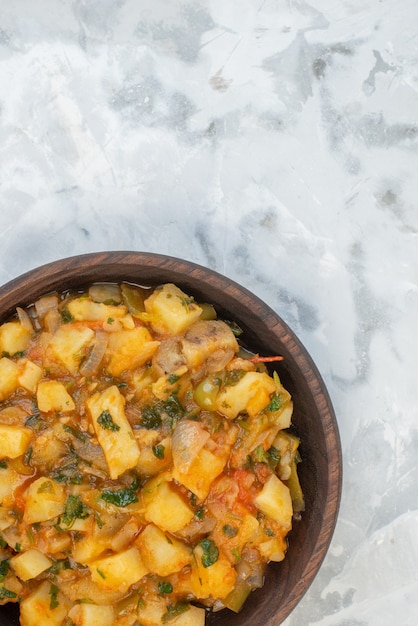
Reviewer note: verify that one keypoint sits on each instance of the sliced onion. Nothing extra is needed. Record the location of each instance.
(24, 319)
(91, 364)
(45, 304)
(188, 439)
(52, 321)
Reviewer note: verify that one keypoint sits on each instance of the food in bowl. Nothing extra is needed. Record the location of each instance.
(147, 468)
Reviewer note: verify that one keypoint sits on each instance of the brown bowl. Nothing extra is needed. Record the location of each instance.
(265, 333)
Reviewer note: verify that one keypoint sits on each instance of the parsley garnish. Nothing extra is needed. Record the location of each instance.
(106, 421)
(4, 568)
(74, 509)
(165, 587)
(6, 593)
(230, 531)
(121, 497)
(174, 610)
(210, 552)
(158, 451)
(53, 592)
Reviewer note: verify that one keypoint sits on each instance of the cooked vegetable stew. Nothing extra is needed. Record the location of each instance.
(147, 468)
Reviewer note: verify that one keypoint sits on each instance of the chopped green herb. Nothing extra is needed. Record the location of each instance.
(230, 531)
(269, 532)
(5, 354)
(35, 422)
(3, 464)
(121, 497)
(276, 403)
(200, 513)
(273, 456)
(150, 418)
(77, 434)
(4, 568)
(174, 610)
(237, 330)
(158, 451)
(68, 474)
(17, 547)
(164, 587)
(106, 421)
(233, 377)
(173, 378)
(66, 316)
(236, 554)
(210, 552)
(46, 487)
(260, 454)
(74, 509)
(53, 592)
(101, 574)
(110, 320)
(3, 543)
(6, 593)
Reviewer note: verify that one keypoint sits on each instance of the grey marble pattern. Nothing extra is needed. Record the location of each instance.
(275, 141)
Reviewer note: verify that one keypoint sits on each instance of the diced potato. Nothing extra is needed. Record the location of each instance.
(129, 349)
(194, 616)
(84, 310)
(30, 564)
(273, 550)
(45, 500)
(69, 343)
(164, 506)
(118, 442)
(47, 449)
(14, 440)
(92, 615)
(29, 375)
(202, 472)
(151, 612)
(51, 395)
(10, 480)
(162, 555)
(274, 501)
(119, 571)
(14, 337)
(217, 580)
(148, 463)
(251, 393)
(9, 377)
(37, 609)
(170, 311)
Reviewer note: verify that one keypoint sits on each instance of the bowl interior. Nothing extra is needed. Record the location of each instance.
(266, 333)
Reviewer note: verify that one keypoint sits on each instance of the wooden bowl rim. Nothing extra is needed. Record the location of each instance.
(65, 273)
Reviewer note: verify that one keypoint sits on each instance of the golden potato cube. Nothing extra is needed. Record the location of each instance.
(92, 615)
(85, 310)
(14, 440)
(30, 564)
(274, 500)
(129, 349)
(68, 343)
(10, 480)
(29, 375)
(216, 580)
(40, 608)
(170, 311)
(151, 612)
(162, 555)
(164, 506)
(273, 549)
(51, 395)
(118, 571)
(194, 616)
(9, 377)
(251, 393)
(202, 472)
(45, 500)
(112, 428)
(14, 338)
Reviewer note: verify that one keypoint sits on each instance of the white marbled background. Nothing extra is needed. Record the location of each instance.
(275, 141)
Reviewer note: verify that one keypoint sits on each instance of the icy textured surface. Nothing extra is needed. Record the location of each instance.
(274, 141)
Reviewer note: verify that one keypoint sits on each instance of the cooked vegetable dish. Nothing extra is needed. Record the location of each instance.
(148, 471)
